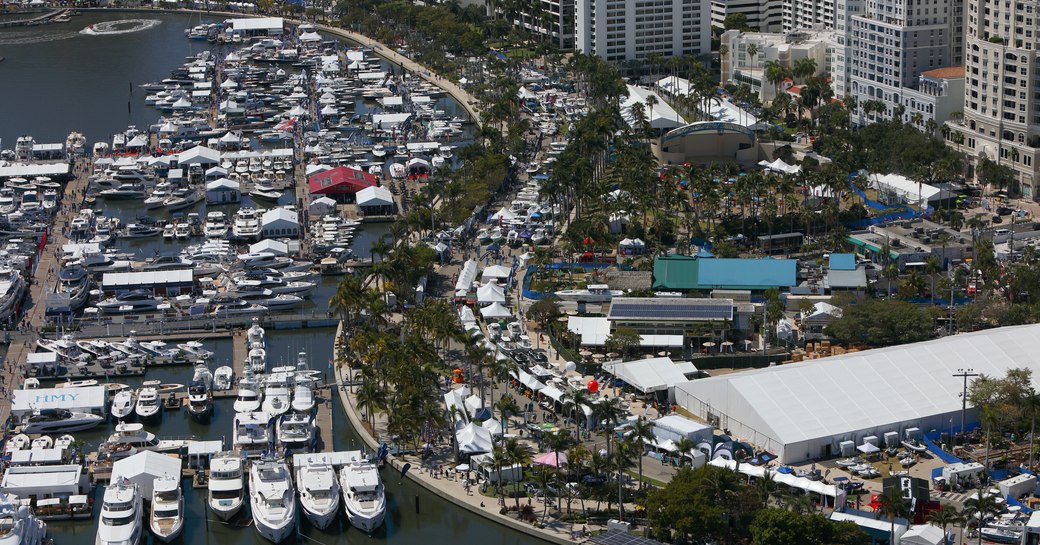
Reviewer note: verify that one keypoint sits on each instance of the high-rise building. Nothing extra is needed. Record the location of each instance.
(1002, 92)
(622, 30)
(740, 67)
(553, 18)
(762, 15)
(806, 14)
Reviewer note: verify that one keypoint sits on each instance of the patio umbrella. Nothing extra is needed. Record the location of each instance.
(549, 459)
(708, 344)
(462, 467)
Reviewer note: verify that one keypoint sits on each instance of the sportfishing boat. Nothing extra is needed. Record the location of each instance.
(363, 497)
(226, 484)
(147, 403)
(251, 431)
(595, 293)
(167, 518)
(272, 499)
(18, 524)
(255, 335)
(303, 396)
(59, 421)
(295, 431)
(123, 404)
(195, 350)
(319, 490)
(277, 393)
(120, 522)
(257, 359)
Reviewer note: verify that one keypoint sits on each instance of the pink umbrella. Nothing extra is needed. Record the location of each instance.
(549, 459)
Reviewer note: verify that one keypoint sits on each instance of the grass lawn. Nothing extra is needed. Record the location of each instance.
(635, 475)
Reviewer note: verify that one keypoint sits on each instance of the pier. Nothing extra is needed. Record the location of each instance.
(38, 20)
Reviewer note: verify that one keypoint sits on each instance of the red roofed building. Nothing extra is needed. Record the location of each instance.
(340, 182)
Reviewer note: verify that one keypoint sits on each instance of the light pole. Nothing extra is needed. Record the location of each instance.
(964, 374)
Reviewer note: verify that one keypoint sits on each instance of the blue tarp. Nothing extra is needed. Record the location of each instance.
(1012, 501)
(946, 457)
(936, 473)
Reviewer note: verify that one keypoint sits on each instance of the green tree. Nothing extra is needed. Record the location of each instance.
(623, 340)
(893, 505)
(981, 506)
(543, 312)
(781, 527)
(735, 21)
(880, 323)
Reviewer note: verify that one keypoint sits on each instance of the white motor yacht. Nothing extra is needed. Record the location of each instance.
(18, 524)
(167, 518)
(277, 393)
(255, 335)
(363, 497)
(216, 225)
(251, 431)
(303, 396)
(257, 359)
(272, 499)
(134, 434)
(296, 432)
(121, 510)
(123, 404)
(132, 301)
(247, 224)
(200, 401)
(319, 489)
(226, 484)
(195, 350)
(147, 403)
(59, 421)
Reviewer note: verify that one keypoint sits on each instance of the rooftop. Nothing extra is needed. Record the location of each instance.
(948, 72)
(687, 273)
(669, 310)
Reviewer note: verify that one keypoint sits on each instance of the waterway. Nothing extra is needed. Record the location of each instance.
(57, 79)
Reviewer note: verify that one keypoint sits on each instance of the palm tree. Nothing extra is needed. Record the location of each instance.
(893, 505)
(642, 431)
(775, 73)
(981, 506)
(609, 414)
(516, 453)
(577, 399)
(622, 459)
(371, 398)
(507, 407)
(945, 516)
(685, 447)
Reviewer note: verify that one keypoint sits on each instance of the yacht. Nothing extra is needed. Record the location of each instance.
(257, 359)
(237, 307)
(200, 401)
(73, 280)
(157, 199)
(216, 225)
(59, 421)
(181, 231)
(132, 301)
(247, 224)
(248, 399)
(255, 335)
(12, 286)
(595, 293)
(136, 230)
(120, 522)
(134, 434)
(303, 396)
(363, 496)
(295, 431)
(223, 378)
(251, 431)
(123, 404)
(276, 393)
(226, 484)
(147, 403)
(18, 524)
(124, 192)
(319, 490)
(176, 203)
(272, 499)
(167, 518)
(168, 263)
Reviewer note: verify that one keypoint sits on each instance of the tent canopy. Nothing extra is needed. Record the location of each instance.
(495, 310)
(651, 375)
(474, 439)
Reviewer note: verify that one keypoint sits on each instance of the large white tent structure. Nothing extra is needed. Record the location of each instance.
(805, 410)
(660, 115)
(653, 374)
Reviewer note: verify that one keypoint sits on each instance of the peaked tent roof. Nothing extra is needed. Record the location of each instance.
(340, 180)
(375, 196)
(199, 155)
(496, 310)
(474, 439)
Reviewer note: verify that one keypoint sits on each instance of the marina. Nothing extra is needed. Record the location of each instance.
(117, 314)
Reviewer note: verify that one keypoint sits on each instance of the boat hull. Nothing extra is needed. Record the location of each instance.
(366, 522)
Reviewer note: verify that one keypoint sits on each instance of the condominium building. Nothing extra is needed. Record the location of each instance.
(890, 45)
(844, 11)
(798, 14)
(938, 96)
(554, 18)
(622, 30)
(739, 67)
(1002, 92)
(762, 15)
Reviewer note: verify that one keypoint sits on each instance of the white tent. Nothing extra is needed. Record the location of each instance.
(466, 315)
(906, 189)
(593, 330)
(142, 468)
(322, 206)
(267, 245)
(674, 427)
(660, 116)
(374, 196)
(495, 311)
(923, 534)
(793, 412)
(467, 275)
(474, 439)
(780, 166)
(503, 215)
(473, 405)
(651, 375)
(457, 398)
(491, 293)
(199, 155)
(495, 272)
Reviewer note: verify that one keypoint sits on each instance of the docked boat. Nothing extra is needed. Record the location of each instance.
(226, 484)
(216, 225)
(12, 287)
(195, 350)
(296, 432)
(177, 203)
(129, 302)
(248, 399)
(1000, 535)
(364, 499)
(255, 335)
(303, 396)
(200, 401)
(124, 192)
(272, 499)
(915, 445)
(223, 378)
(247, 224)
(18, 524)
(16, 443)
(319, 490)
(251, 431)
(123, 404)
(147, 403)
(121, 511)
(134, 434)
(595, 293)
(59, 421)
(167, 519)
(277, 393)
(136, 230)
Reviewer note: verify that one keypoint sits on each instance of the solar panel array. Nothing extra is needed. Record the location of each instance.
(671, 310)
